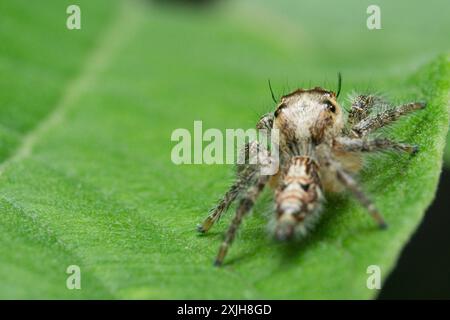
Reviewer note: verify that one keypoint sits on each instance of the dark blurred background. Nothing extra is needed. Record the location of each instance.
(423, 270)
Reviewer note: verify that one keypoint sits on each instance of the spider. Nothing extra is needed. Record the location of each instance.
(319, 151)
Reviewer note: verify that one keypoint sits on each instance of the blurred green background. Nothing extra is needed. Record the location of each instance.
(294, 43)
(136, 71)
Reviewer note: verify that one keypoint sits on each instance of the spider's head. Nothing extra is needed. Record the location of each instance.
(308, 115)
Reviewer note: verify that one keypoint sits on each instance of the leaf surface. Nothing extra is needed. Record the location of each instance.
(86, 118)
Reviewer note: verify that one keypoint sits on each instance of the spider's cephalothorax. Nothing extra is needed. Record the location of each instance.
(319, 153)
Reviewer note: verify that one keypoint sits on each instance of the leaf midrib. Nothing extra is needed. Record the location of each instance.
(109, 44)
(111, 40)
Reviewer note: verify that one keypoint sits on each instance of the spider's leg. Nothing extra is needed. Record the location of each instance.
(365, 145)
(350, 182)
(247, 200)
(254, 155)
(360, 109)
(245, 205)
(245, 175)
(372, 123)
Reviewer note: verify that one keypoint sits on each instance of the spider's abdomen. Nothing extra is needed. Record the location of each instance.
(298, 198)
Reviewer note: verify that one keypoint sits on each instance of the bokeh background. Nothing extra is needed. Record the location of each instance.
(187, 60)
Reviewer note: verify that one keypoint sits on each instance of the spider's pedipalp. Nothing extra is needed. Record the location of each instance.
(265, 122)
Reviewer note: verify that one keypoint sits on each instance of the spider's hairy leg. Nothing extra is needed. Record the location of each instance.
(365, 145)
(224, 203)
(245, 175)
(350, 182)
(370, 124)
(360, 108)
(247, 200)
(245, 205)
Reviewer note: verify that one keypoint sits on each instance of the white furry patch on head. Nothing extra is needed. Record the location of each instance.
(304, 117)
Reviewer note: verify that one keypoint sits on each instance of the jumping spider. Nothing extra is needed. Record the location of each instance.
(319, 152)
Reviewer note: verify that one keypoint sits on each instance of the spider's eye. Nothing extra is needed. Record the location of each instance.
(305, 187)
(280, 107)
(330, 106)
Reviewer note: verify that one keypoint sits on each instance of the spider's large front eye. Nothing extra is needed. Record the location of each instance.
(304, 186)
(330, 106)
(280, 107)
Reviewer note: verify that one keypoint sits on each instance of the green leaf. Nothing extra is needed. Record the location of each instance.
(86, 117)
